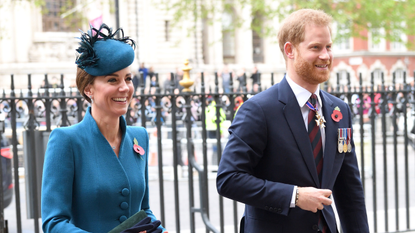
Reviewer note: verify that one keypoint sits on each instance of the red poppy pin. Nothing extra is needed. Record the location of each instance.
(336, 115)
(138, 149)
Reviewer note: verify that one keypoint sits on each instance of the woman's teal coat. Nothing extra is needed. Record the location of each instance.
(85, 187)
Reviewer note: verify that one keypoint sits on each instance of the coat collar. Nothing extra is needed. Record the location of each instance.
(301, 94)
(293, 116)
(89, 122)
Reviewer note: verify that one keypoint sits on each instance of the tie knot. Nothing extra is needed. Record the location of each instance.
(313, 100)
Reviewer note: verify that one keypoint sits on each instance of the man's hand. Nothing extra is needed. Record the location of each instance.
(313, 199)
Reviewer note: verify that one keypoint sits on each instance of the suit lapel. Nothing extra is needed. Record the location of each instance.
(331, 139)
(293, 116)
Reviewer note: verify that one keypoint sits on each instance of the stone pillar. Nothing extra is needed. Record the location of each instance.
(21, 30)
(215, 44)
(243, 40)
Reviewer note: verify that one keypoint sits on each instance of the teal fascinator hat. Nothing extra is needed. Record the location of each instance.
(100, 53)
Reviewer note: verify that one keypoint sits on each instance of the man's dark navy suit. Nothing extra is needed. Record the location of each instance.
(269, 152)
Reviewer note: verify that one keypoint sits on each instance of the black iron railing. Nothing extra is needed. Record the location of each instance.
(383, 120)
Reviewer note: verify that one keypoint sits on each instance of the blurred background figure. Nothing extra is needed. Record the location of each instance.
(241, 78)
(211, 125)
(226, 78)
(144, 72)
(136, 81)
(255, 79)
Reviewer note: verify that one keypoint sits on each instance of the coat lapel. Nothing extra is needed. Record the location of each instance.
(331, 139)
(293, 116)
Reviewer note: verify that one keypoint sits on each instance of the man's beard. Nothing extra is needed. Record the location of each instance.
(309, 73)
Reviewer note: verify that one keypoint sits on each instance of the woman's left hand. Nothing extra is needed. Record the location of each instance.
(144, 226)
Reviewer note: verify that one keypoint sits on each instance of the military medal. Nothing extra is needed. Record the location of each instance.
(349, 140)
(340, 140)
(345, 140)
(320, 119)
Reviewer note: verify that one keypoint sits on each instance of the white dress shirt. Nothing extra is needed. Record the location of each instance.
(302, 95)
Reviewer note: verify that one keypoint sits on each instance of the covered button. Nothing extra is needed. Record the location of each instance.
(124, 205)
(122, 218)
(125, 192)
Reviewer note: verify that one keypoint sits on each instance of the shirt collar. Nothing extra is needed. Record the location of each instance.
(301, 94)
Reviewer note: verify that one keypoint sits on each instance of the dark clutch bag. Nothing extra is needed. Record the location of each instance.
(130, 222)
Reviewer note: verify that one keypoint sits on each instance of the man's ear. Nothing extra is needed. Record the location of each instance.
(289, 50)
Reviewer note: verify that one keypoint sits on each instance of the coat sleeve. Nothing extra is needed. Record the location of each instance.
(57, 184)
(246, 146)
(348, 193)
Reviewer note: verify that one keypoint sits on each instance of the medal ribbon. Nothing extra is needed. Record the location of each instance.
(320, 119)
(349, 135)
(345, 136)
(311, 107)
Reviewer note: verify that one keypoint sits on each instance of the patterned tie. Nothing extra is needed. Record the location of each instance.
(316, 144)
(315, 137)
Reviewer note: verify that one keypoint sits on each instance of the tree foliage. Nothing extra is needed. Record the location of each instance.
(214, 10)
(352, 17)
(394, 17)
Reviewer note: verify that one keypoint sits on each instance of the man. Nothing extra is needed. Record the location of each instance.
(286, 155)
(144, 72)
(211, 125)
(226, 79)
(136, 81)
(255, 79)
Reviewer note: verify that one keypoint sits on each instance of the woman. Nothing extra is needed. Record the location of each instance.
(95, 173)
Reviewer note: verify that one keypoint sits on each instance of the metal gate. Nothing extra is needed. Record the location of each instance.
(185, 153)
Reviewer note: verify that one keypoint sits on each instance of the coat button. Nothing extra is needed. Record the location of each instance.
(279, 210)
(266, 208)
(124, 205)
(125, 192)
(315, 227)
(122, 218)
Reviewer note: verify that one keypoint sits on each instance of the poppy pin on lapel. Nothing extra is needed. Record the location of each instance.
(138, 149)
(336, 115)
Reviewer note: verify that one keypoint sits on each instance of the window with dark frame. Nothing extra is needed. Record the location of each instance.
(343, 81)
(257, 46)
(399, 73)
(166, 30)
(377, 76)
(228, 38)
(51, 18)
(257, 41)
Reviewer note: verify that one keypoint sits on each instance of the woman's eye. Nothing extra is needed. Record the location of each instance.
(111, 80)
(129, 79)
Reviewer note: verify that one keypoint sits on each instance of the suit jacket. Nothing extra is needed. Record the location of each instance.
(85, 187)
(269, 152)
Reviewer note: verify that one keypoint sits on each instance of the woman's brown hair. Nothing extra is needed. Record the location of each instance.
(83, 79)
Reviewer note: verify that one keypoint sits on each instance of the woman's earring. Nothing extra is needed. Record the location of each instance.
(92, 101)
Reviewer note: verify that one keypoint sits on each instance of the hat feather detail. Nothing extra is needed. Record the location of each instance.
(86, 56)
